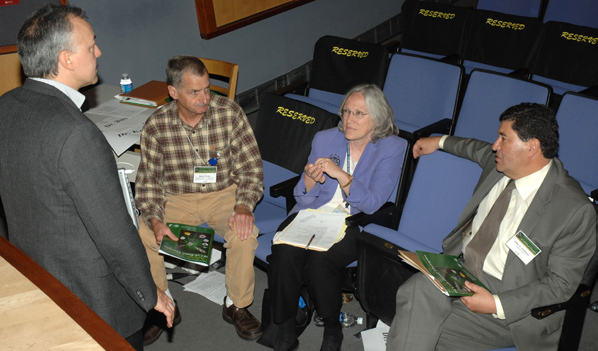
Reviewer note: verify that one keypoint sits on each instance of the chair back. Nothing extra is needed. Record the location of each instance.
(339, 64)
(433, 28)
(529, 8)
(421, 90)
(500, 41)
(487, 96)
(223, 73)
(284, 131)
(578, 12)
(11, 72)
(441, 187)
(566, 57)
(578, 121)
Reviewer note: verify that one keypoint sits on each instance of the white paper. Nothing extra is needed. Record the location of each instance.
(326, 228)
(211, 285)
(375, 339)
(120, 123)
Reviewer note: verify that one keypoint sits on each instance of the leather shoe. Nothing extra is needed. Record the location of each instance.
(331, 343)
(155, 324)
(247, 326)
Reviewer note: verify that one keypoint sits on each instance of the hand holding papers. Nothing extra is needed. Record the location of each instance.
(313, 230)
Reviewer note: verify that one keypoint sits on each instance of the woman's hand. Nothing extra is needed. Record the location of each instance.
(326, 165)
(315, 173)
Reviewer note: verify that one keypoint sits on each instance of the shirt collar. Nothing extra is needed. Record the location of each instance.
(529, 184)
(76, 97)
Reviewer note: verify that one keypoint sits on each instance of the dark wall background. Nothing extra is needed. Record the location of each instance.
(138, 37)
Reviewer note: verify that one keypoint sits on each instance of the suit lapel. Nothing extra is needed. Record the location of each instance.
(537, 208)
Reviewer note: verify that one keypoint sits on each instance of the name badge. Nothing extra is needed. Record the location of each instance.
(523, 247)
(204, 174)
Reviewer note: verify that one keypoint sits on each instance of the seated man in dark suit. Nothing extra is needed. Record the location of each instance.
(545, 204)
(60, 189)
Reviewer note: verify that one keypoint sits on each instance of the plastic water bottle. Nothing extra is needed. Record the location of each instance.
(125, 83)
(349, 319)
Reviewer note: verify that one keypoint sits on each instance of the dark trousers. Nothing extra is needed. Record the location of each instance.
(291, 267)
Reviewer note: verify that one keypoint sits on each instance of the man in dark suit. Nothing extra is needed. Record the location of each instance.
(61, 194)
(547, 206)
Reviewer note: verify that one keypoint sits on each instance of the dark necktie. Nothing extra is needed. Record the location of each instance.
(478, 248)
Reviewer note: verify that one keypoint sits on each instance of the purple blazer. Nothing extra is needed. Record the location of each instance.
(374, 179)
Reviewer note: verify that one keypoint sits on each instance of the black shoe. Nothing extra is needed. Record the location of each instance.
(155, 324)
(331, 343)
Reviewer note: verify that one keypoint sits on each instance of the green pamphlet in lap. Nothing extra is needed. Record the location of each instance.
(194, 243)
(445, 271)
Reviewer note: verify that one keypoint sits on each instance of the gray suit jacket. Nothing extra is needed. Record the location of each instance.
(560, 220)
(64, 206)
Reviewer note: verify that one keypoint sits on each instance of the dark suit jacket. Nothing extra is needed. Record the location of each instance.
(65, 208)
(560, 220)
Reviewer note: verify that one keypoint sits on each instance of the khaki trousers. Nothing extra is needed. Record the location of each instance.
(214, 209)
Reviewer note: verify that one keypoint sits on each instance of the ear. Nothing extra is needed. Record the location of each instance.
(64, 60)
(534, 147)
(174, 94)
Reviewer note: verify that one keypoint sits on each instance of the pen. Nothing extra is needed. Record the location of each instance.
(309, 242)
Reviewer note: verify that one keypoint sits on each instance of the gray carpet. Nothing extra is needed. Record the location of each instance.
(203, 328)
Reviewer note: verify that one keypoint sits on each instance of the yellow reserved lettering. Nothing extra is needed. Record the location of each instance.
(298, 116)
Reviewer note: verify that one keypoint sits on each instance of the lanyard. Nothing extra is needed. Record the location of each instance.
(348, 159)
(193, 147)
(348, 169)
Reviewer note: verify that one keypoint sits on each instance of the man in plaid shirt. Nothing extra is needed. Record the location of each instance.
(200, 163)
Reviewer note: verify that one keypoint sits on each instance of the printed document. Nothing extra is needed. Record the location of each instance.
(313, 230)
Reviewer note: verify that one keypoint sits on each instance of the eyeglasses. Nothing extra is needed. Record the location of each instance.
(346, 113)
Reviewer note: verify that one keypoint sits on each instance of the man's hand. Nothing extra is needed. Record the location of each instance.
(425, 146)
(242, 221)
(166, 306)
(481, 301)
(161, 230)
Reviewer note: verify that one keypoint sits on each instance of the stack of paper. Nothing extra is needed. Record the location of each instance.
(313, 230)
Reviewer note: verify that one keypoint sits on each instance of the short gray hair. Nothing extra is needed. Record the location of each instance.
(378, 108)
(178, 65)
(43, 36)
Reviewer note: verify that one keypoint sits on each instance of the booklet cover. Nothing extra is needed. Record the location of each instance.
(445, 271)
(194, 243)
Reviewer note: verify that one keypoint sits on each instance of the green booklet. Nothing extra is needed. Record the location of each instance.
(194, 243)
(445, 271)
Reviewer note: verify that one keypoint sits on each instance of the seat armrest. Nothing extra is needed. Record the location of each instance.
(284, 188)
(581, 295)
(382, 216)
(443, 126)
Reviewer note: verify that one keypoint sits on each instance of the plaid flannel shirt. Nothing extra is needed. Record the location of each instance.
(168, 158)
